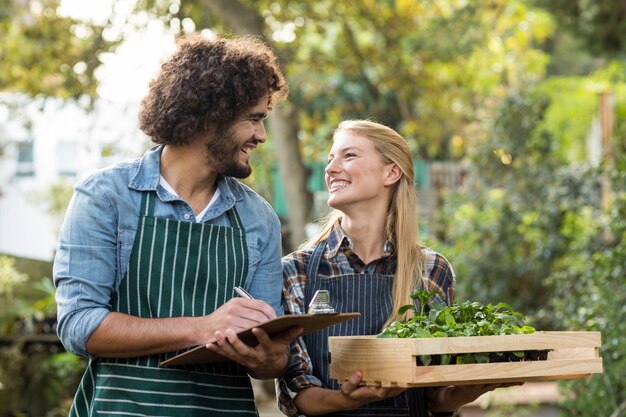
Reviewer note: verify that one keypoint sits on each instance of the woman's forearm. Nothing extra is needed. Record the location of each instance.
(315, 401)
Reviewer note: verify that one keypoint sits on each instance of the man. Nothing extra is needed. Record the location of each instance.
(150, 251)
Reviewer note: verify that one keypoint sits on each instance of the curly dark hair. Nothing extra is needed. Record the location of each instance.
(206, 84)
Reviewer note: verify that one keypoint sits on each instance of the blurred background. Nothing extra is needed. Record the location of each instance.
(515, 111)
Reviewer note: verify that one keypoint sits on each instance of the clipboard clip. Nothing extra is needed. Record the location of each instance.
(320, 303)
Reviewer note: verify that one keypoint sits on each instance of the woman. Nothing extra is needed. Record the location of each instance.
(369, 259)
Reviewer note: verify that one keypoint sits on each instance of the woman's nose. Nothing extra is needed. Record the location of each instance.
(331, 166)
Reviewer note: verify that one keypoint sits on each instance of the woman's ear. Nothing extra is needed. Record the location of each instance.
(394, 173)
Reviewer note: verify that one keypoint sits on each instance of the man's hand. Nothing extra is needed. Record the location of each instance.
(239, 314)
(268, 359)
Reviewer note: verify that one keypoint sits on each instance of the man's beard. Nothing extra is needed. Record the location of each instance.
(223, 153)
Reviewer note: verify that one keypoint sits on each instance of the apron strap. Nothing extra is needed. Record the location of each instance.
(235, 220)
(147, 204)
(147, 209)
(314, 264)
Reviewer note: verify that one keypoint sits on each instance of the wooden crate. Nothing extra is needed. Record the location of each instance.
(393, 362)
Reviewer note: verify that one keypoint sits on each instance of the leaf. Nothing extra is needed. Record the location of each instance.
(408, 307)
(469, 358)
(481, 357)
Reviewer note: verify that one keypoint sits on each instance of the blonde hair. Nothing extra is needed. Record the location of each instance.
(402, 226)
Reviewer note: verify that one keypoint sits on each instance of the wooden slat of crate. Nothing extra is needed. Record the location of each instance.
(392, 362)
(534, 341)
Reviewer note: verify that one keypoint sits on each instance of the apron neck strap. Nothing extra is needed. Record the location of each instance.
(235, 220)
(316, 256)
(147, 209)
(147, 203)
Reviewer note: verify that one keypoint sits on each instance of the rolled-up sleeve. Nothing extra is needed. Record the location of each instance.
(440, 275)
(299, 373)
(265, 280)
(85, 266)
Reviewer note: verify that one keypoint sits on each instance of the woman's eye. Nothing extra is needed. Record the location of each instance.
(350, 155)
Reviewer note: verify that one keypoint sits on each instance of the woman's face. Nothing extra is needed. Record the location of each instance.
(355, 173)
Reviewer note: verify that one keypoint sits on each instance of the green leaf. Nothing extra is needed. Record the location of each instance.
(408, 307)
(481, 357)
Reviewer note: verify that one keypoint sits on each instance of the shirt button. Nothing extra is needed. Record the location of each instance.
(186, 216)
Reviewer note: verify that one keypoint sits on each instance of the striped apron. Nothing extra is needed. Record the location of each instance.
(369, 294)
(175, 269)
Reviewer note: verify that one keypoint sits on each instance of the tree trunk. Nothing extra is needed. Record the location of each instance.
(283, 124)
(293, 174)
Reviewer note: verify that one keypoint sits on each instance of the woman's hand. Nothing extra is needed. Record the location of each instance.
(317, 401)
(361, 395)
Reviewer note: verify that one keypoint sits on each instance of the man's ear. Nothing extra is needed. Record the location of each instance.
(394, 173)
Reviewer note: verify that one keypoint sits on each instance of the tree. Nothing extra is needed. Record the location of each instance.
(509, 226)
(239, 18)
(283, 121)
(44, 53)
(430, 83)
(530, 227)
(587, 285)
(601, 25)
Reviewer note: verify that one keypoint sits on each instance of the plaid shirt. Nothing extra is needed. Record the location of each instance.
(338, 259)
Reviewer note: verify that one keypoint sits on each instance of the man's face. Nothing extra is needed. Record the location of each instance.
(229, 151)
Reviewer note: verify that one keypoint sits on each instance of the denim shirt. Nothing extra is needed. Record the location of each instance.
(97, 237)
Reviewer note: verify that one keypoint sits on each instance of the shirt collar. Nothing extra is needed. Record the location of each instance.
(147, 176)
(149, 171)
(338, 239)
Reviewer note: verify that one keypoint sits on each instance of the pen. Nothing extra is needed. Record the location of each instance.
(243, 293)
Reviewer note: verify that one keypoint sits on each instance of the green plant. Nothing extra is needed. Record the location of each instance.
(465, 319)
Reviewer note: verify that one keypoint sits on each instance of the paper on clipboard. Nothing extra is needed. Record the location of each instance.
(310, 322)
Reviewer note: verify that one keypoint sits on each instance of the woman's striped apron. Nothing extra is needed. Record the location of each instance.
(369, 294)
(175, 269)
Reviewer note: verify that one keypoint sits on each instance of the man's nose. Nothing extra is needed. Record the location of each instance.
(259, 132)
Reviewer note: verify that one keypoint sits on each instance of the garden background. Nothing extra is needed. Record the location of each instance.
(515, 111)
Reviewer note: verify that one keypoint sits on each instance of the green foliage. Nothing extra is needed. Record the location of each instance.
(444, 65)
(43, 53)
(10, 278)
(36, 382)
(55, 198)
(30, 301)
(459, 320)
(464, 319)
(601, 25)
(530, 225)
(588, 291)
(36, 376)
(520, 212)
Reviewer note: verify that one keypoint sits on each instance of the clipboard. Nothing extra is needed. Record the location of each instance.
(310, 322)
